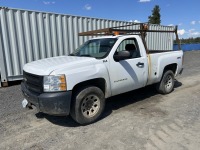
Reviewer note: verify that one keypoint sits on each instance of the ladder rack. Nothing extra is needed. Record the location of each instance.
(143, 29)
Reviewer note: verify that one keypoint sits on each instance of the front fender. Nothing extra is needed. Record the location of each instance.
(86, 73)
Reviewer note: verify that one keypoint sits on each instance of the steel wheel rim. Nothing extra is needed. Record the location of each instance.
(168, 82)
(90, 106)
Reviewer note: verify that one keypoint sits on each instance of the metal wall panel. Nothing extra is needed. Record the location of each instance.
(160, 41)
(26, 36)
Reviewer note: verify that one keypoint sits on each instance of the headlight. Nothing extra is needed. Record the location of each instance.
(54, 83)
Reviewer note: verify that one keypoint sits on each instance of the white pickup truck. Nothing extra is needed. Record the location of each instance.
(78, 84)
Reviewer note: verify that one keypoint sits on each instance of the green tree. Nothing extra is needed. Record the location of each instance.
(190, 40)
(155, 17)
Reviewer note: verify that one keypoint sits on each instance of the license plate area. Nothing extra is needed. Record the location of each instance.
(24, 103)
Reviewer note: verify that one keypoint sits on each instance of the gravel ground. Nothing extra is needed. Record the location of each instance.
(141, 119)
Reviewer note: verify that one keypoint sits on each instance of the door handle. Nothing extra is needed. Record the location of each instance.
(139, 64)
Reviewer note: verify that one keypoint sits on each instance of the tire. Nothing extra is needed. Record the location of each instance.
(166, 85)
(88, 105)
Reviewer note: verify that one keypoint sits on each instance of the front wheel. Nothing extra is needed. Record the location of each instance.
(166, 85)
(88, 105)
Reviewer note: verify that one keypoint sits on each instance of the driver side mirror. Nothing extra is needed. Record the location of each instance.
(121, 55)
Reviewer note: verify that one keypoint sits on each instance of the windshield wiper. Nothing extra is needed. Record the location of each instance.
(85, 55)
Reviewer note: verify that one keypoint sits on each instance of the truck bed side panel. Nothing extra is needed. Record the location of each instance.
(158, 61)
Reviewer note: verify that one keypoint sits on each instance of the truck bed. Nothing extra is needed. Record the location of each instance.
(159, 59)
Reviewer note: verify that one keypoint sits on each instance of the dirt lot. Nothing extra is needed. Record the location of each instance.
(140, 119)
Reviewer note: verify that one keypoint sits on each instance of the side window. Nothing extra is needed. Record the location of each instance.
(131, 46)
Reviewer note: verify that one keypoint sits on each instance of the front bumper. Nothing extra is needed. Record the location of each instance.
(57, 103)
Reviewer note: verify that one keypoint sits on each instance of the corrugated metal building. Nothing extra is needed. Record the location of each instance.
(26, 36)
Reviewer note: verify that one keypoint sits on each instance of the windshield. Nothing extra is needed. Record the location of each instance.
(98, 48)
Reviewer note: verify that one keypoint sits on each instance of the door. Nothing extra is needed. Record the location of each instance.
(131, 73)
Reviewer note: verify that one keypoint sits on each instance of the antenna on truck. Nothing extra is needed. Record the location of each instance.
(137, 29)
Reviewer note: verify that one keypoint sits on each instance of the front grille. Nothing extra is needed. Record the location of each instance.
(33, 82)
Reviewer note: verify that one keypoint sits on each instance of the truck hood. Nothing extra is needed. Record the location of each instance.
(48, 65)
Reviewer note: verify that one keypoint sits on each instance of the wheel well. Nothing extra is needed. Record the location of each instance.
(98, 82)
(171, 67)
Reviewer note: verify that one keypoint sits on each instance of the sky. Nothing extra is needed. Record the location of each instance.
(184, 13)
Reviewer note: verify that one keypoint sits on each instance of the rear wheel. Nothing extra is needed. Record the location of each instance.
(88, 105)
(166, 85)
